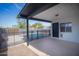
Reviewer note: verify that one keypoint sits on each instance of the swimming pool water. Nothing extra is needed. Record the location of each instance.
(36, 37)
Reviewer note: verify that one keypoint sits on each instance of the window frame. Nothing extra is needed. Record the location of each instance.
(67, 27)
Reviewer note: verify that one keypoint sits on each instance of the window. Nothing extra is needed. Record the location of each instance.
(66, 27)
(62, 27)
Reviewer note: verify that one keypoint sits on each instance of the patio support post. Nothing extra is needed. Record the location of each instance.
(27, 22)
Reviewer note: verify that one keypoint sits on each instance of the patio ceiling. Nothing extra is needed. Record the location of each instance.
(48, 11)
(32, 10)
(58, 12)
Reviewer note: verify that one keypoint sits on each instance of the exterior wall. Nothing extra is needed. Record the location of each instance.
(68, 13)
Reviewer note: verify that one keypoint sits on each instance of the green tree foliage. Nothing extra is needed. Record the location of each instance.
(21, 25)
(37, 26)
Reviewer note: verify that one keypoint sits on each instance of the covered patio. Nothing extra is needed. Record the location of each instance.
(54, 47)
(64, 39)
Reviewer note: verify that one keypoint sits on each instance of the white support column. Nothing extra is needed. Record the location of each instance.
(51, 31)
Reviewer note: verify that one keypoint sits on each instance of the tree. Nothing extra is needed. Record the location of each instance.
(37, 26)
(21, 25)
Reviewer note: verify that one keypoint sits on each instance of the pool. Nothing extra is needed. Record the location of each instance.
(36, 37)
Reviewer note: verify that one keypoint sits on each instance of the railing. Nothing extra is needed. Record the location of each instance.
(19, 37)
(38, 34)
(16, 37)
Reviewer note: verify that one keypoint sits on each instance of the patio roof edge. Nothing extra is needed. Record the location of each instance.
(19, 16)
(42, 8)
(40, 20)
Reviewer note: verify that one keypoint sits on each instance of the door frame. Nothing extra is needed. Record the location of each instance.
(57, 30)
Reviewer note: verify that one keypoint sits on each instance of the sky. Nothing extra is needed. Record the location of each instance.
(9, 12)
(45, 24)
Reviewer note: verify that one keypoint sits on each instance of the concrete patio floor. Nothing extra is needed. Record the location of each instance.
(20, 50)
(54, 47)
(45, 47)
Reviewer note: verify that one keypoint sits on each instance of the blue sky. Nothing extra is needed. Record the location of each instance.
(8, 13)
(46, 24)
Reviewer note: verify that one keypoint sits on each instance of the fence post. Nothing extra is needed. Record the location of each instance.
(31, 35)
(37, 34)
(14, 36)
(49, 32)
